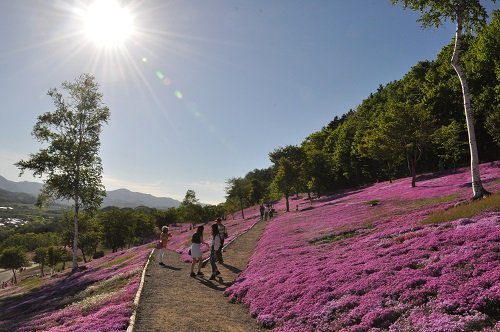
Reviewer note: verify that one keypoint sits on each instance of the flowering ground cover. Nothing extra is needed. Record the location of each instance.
(181, 239)
(363, 260)
(96, 298)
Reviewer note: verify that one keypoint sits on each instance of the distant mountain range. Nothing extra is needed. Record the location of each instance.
(26, 192)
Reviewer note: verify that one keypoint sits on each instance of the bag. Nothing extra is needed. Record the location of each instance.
(158, 245)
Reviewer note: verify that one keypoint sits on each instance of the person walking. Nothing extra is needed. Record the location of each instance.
(261, 212)
(196, 252)
(223, 235)
(164, 236)
(214, 247)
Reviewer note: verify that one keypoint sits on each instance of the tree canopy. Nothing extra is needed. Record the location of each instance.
(71, 161)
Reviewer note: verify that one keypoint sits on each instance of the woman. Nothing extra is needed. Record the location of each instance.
(196, 253)
(164, 236)
(216, 245)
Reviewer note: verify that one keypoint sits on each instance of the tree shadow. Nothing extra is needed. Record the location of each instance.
(19, 309)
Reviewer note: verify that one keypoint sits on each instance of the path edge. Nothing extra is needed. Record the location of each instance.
(224, 246)
(131, 323)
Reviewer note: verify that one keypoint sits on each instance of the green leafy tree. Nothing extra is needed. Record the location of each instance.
(231, 205)
(167, 217)
(114, 232)
(471, 16)
(41, 257)
(377, 143)
(285, 179)
(71, 162)
(493, 125)
(190, 208)
(298, 160)
(212, 212)
(89, 230)
(258, 181)
(449, 143)
(239, 189)
(482, 63)
(140, 226)
(13, 258)
(317, 169)
(408, 119)
(54, 256)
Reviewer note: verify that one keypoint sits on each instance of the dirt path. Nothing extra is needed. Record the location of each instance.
(173, 301)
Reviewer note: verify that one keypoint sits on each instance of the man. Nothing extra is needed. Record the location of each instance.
(223, 236)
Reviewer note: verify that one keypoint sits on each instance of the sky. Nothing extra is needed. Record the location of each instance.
(201, 91)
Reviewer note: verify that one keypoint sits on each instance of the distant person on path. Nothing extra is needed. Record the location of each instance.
(266, 212)
(215, 246)
(262, 212)
(196, 253)
(223, 235)
(164, 236)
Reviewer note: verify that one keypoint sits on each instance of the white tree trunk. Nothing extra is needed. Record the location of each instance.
(477, 187)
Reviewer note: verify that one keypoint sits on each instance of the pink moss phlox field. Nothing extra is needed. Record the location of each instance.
(345, 265)
(181, 240)
(97, 298)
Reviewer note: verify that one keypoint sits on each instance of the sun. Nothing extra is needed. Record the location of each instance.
(107, 24)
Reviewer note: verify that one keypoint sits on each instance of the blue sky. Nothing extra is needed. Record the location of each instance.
(203, 90)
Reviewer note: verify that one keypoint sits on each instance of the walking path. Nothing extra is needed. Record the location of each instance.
(171, 300)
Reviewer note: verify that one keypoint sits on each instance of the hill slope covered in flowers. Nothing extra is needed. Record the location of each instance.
(365, 260)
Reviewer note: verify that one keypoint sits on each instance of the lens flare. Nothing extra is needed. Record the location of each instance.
(178, 94)
(160, 75)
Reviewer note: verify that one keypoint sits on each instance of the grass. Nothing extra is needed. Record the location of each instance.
(31, 283)
(425, 202)
(116, 261)
(468, 210)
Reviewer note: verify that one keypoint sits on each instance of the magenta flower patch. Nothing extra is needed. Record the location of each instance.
(349, 265)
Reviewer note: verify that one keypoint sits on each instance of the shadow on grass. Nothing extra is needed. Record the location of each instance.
(343, 194)
(19, 309)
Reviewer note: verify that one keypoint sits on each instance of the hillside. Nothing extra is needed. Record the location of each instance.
(26, 192)
(348, 265)
(366, 259)
(16, 197)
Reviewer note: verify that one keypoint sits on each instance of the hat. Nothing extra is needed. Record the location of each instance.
(219, 219)
(164, 228)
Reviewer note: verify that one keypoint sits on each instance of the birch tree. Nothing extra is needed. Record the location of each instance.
(71, 161)
(471, 16)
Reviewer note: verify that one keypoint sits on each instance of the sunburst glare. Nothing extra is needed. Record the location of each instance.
(107, 24)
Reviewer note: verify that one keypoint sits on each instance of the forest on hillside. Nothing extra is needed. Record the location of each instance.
(406, 127)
